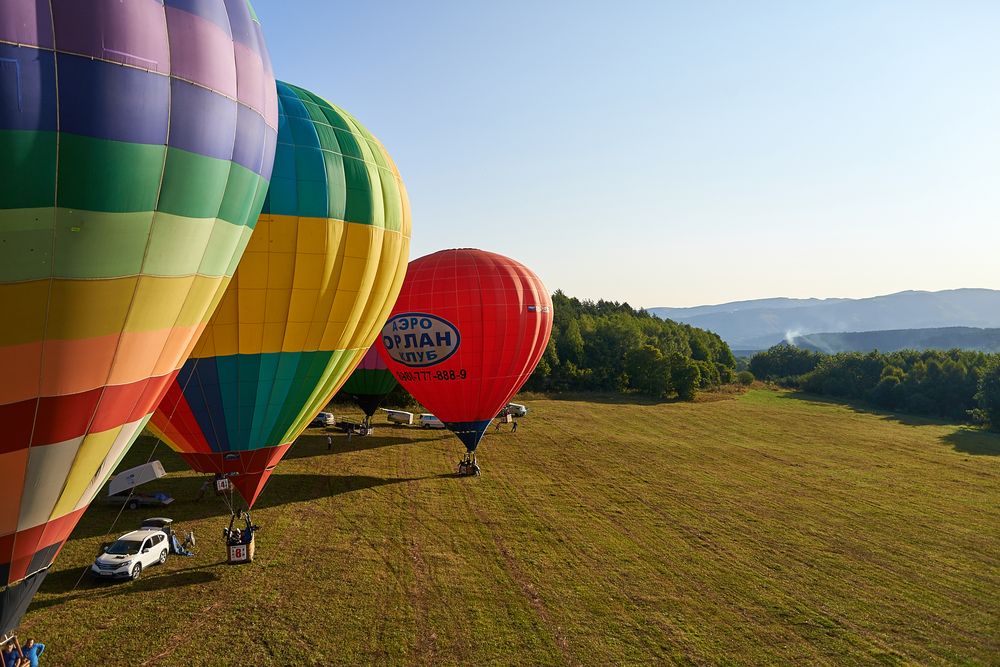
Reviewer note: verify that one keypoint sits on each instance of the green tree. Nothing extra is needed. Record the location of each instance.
(648, 371)
(988, 393)
(685, 377)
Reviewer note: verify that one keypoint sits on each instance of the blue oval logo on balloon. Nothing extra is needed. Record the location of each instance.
(420, 339)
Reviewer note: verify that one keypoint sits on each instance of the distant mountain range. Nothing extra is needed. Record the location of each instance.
(758, 324)
(946, 338)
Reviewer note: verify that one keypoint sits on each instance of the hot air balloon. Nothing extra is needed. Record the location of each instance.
(136, 143)
(467, 331)
(369, 384)
(315, 285)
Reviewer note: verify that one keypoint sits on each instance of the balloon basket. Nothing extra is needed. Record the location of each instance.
(468, 468)
(240, 554)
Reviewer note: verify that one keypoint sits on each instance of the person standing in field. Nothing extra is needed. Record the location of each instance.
(513, 429)
(329, 443)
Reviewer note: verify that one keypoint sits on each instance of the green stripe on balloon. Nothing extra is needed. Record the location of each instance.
(112, 245)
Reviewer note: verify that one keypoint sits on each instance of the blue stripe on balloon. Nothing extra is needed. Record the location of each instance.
(107, 101)
(27, 88)
(470, 433)
(251, 131)
(202, 121)
(199, 380)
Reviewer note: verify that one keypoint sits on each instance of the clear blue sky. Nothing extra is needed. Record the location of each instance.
(679, 153)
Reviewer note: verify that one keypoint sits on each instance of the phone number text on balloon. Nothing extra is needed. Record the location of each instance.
(416, 376)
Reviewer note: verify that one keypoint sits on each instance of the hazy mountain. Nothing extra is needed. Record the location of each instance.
(965, 338)
(761, 323)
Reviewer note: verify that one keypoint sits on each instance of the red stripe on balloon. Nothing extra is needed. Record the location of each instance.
(60, 418)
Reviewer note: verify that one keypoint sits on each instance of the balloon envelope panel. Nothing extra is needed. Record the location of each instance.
(136, 144)
(317, 281)
(370, 382)
(467, 331)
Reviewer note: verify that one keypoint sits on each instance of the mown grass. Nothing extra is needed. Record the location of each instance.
(766, 528)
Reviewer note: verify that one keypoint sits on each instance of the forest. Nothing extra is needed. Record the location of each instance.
(953, 384)
(612, 347)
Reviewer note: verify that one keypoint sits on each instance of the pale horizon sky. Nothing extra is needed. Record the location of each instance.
(680, 153)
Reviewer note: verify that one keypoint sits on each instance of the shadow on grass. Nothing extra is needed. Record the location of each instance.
(965, 439)
(866, 409)
(95, 589)
(315, 445)
(281, 489)
(607, 398)
(973, 441)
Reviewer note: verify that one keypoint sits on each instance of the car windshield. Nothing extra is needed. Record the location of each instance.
(124, 548)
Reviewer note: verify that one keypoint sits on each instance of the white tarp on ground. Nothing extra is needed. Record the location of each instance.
(132, 477)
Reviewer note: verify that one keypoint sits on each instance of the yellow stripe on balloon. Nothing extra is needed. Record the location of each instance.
(80, 309)
(290, 293)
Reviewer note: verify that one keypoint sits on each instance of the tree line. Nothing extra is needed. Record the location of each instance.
(953, 384)
(611, 347)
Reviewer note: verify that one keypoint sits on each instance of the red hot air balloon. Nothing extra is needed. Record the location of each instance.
(467, 331)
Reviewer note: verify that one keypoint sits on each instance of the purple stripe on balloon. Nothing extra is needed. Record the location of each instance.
(242, 23)
(27, 88)
(201, 121)
(108, 101)
(251, 83)
(210, 10)
(249, 144)
(26, 22)
(201, 52)
(132, 33)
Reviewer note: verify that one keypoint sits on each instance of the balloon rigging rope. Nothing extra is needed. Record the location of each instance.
(131, 492)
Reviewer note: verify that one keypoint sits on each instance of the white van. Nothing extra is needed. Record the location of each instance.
(428, 420)
(517, 409)
(398, 416)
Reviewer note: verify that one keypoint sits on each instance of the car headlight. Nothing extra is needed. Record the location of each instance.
(125, 564)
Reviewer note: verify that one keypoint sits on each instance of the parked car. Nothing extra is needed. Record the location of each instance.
(323, 419)
(398, 416)
(137, 500)
(428, 420)
(347, 426)
(127, 556)
(516, 409)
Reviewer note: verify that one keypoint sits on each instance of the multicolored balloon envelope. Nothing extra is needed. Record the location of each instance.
(370, 382)
(315, 285)
(467, 331)
(136, 144)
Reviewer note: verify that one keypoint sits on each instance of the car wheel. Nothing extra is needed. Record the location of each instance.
(133, 504)
(163, 557)
(136, 571)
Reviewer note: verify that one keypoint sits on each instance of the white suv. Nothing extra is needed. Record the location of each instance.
(130, 553)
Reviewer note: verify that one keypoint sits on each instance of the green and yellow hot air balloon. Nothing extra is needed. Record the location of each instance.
(317, 281)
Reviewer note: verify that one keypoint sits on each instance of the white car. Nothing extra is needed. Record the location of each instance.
(428, 420)
(517, 409)
(323, 419)
(131, 553)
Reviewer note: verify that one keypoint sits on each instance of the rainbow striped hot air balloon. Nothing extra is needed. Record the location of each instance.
(317, 281)
(136, 144)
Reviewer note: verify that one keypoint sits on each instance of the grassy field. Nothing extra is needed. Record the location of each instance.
(763, 528)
